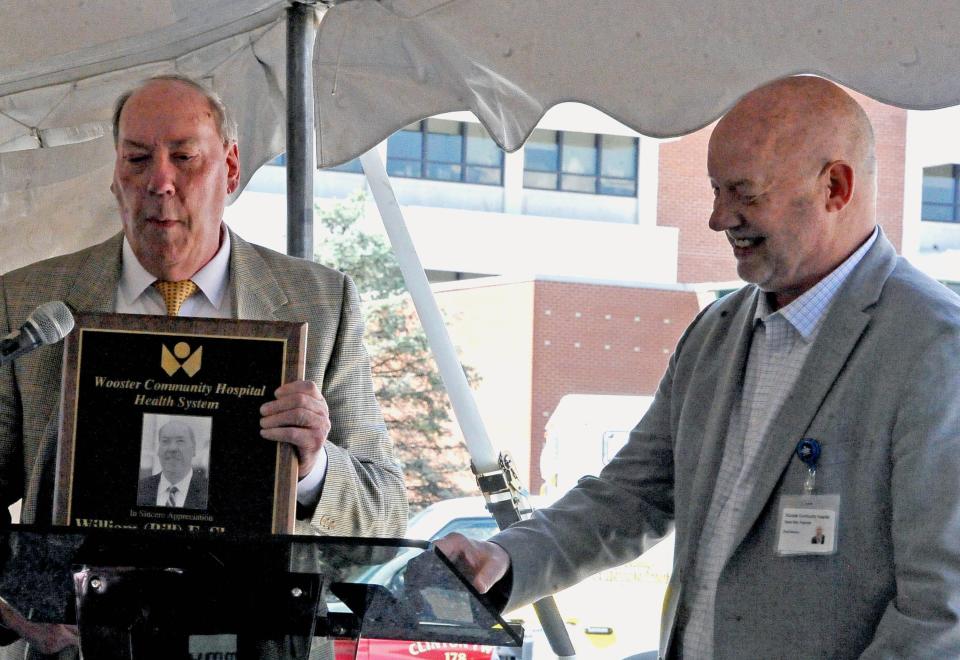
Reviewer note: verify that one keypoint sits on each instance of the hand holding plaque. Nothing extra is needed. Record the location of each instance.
(299, 416)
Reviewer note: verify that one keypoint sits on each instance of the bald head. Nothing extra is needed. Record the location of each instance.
(804, 120)
(793, 170)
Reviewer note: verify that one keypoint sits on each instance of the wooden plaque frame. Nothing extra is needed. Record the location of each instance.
(127, 376)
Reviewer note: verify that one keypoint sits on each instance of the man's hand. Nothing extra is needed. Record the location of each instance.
(47, 638)
(299, 416)
(484, 562)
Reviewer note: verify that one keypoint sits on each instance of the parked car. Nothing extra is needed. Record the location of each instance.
(610, 615)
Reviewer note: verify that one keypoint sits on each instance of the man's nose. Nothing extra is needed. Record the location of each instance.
(162, 177)
(723, 217)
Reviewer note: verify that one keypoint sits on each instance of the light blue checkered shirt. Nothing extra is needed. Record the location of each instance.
(780, 344)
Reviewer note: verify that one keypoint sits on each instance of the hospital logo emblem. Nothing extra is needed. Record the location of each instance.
(180, 358)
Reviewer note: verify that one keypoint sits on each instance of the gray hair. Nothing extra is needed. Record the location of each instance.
(226, 126)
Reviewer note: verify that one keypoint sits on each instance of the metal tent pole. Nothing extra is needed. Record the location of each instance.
(301, 34)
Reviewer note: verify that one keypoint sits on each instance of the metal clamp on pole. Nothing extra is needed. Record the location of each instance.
(507, 500)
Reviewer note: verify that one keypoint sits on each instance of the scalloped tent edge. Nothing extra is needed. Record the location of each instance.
(661, 70)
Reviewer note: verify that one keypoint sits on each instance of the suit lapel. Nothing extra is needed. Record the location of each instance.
(95, 288)
(842, 328)
(735, 344)
(253, 288)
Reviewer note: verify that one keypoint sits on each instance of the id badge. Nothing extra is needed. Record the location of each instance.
(808, 525)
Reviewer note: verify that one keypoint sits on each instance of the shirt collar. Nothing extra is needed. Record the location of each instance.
(182, 486)
(807, 312)
(212, 279)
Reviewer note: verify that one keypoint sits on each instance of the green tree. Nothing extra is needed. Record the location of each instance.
(405, 376)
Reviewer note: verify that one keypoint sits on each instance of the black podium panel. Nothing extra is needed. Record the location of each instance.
(144, 595)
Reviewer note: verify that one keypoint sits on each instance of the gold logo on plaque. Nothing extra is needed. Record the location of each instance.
(180, 358)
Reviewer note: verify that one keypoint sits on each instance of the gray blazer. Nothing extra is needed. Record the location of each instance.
(364, 493)
(881, 392)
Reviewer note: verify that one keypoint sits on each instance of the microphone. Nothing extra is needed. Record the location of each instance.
(47, 324)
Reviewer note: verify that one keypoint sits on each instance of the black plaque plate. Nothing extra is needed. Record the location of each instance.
(147, 399)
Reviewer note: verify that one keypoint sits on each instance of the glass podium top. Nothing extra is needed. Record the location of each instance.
(332, 587)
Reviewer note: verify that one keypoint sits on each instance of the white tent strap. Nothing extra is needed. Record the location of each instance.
(451, 371)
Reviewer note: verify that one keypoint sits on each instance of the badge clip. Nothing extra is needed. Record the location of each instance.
(808, 451)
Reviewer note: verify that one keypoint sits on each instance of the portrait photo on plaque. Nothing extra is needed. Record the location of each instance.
(174, 461)
(160, 425)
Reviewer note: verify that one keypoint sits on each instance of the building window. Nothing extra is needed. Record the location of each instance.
(581, 162)
(445, 150)
(349, 166)
(940, 193)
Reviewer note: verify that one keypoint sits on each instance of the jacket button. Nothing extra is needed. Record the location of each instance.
(325, 523)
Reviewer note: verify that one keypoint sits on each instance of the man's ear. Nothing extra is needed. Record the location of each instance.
(233, 168)
(840, 180)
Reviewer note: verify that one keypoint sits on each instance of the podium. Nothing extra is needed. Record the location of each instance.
(138, 595)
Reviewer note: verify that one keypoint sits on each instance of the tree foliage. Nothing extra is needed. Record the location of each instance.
(405, 376)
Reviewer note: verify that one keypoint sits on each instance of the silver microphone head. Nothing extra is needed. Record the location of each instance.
(52, 321)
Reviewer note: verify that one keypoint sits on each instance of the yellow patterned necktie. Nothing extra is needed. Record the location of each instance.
(174, 293)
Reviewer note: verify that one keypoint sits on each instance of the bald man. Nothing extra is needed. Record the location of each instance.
(820, 396)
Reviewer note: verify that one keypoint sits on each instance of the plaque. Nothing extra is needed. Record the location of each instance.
(160, 425)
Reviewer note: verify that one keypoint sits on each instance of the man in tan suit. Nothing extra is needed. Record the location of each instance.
(177, 161)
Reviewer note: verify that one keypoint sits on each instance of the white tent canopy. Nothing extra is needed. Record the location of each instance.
(64, 62)
(663, 68)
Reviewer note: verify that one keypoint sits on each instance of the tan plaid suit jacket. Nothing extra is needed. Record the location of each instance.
(364, 493)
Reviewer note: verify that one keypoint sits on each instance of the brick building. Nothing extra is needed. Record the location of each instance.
(569, 267)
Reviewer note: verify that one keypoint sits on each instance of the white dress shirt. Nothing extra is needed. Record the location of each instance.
(180, 497)
(779, 347)
(137, 295)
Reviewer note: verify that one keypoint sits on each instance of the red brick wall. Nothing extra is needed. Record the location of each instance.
(685, 199)
(890, 129)
(619, 344)
(521, 338)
